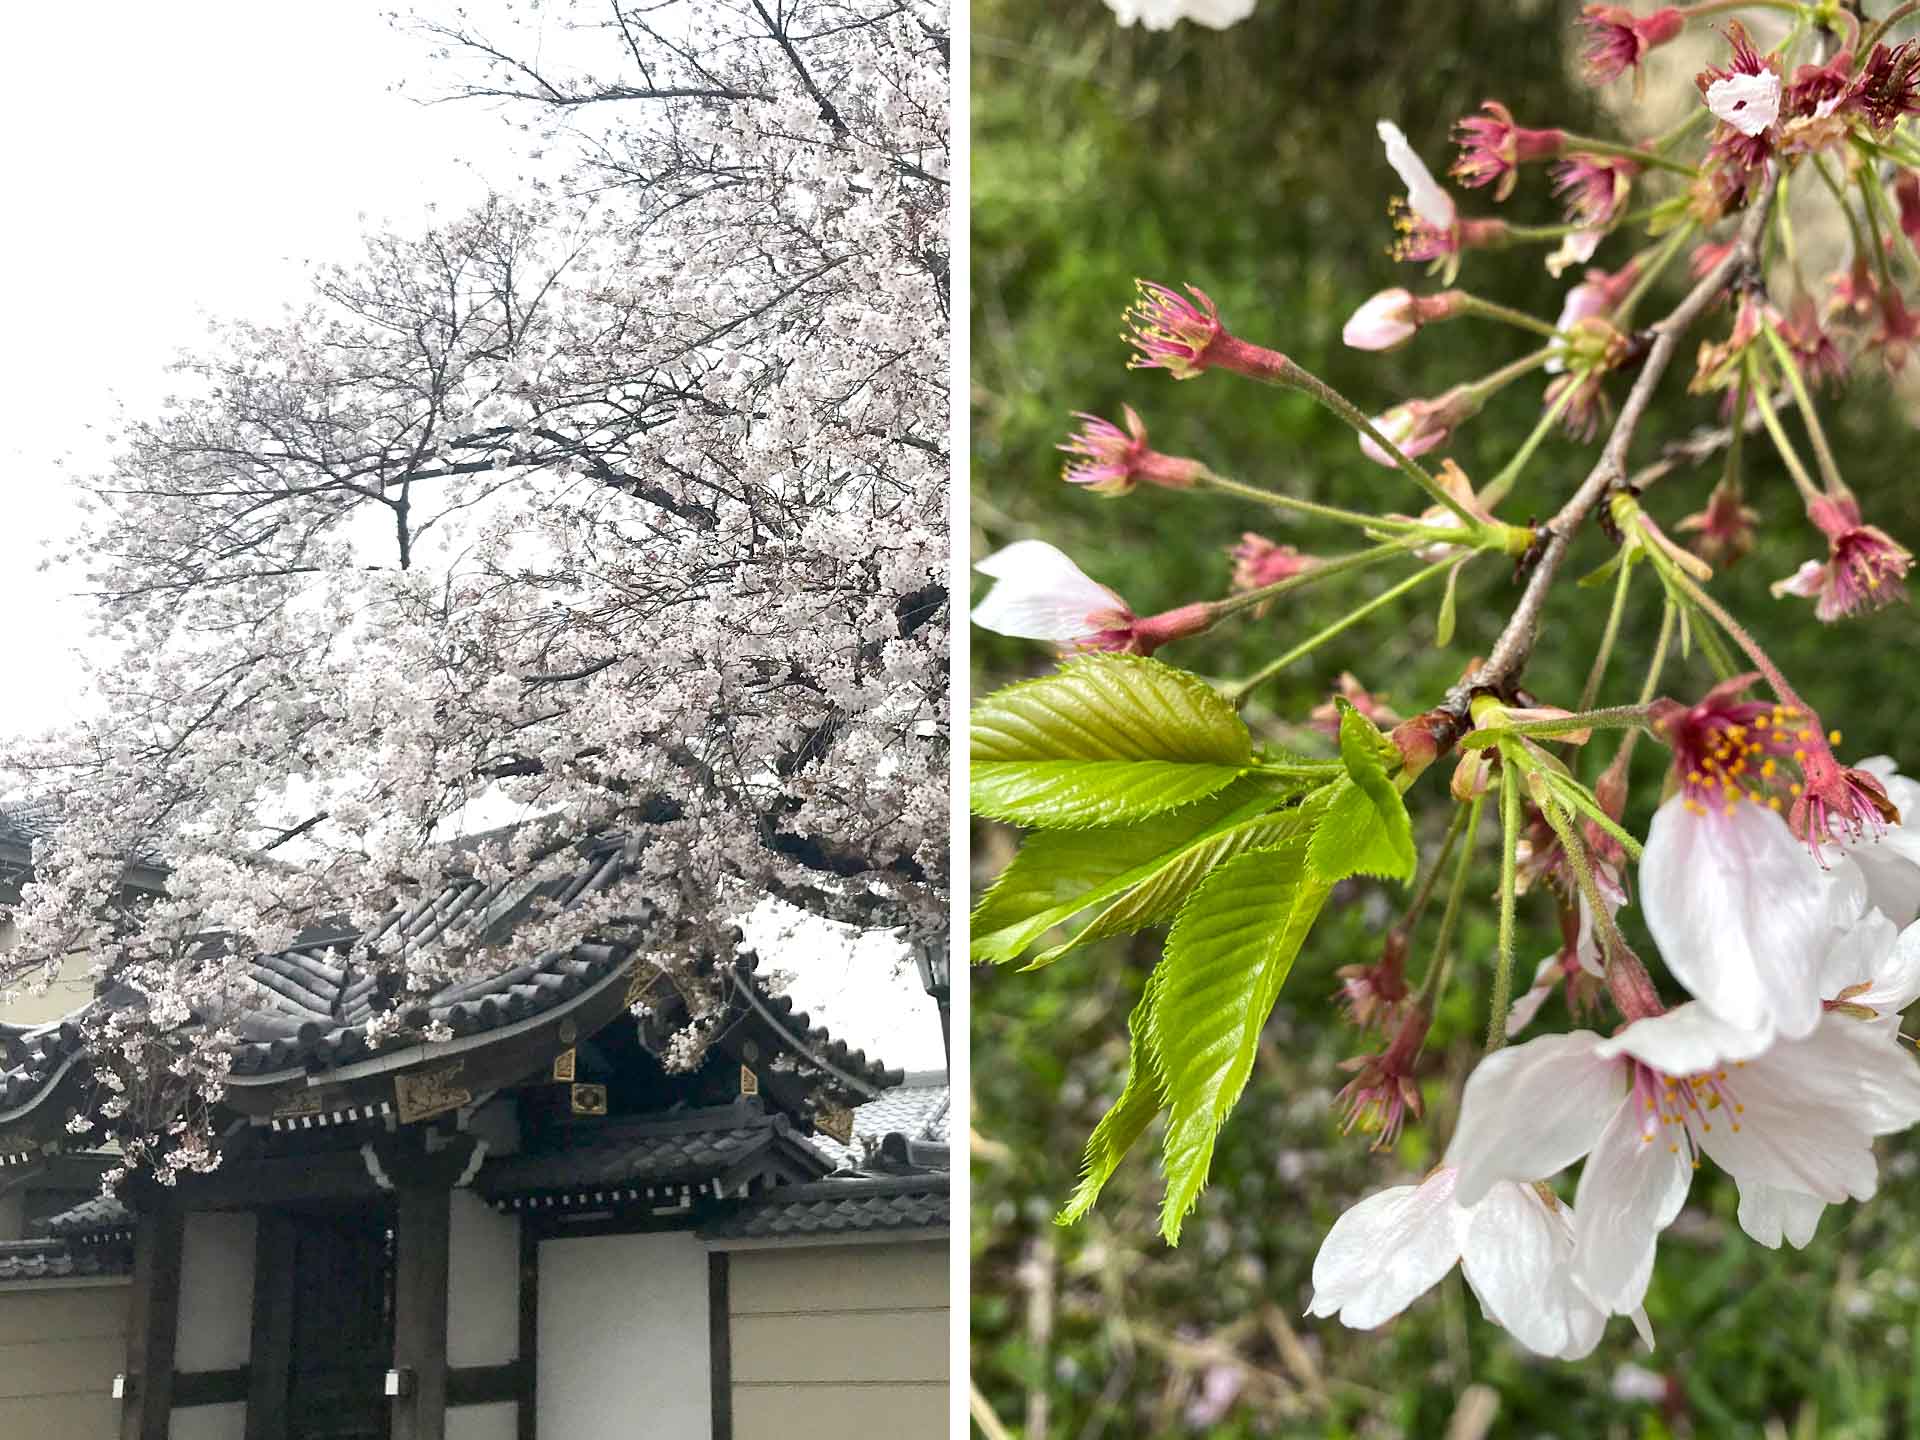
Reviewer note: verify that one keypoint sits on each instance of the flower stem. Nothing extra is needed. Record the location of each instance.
(1885, 23)
(1236, 694)
(1816, 433)
(1497, 488)
(1425, 892)
(1609, 635)
(1434, 982)
(1612, 717)
(1509, 878)
(1790, 457)
(1298, 378)
(1663, 257)
(1325, 570)
(1491, 310)
(1280, 501)
(1588, 144)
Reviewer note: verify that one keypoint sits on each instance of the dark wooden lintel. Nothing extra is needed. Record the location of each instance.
(210, 1387)
(483, 1384)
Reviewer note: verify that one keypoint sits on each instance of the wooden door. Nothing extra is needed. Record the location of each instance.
(342, 1326)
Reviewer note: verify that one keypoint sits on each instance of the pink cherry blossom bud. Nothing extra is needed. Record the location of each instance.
(1724, 530)
(1383, 1091)
(1865, 568)
(1185, 337)
(1258, 562)
(1618, 40)
(1492, 148)
(1594, 188)
(1393, 317)
(1112, 460)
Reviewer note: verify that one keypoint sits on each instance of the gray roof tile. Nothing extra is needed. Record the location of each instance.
(840, 1207)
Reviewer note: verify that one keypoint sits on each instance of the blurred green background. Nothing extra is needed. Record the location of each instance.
(1245, 162)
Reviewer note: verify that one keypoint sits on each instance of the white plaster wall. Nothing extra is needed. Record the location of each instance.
(216, 1295)
(483, 1284)
(209, 1422)
(484, 1422)
(623, 1338)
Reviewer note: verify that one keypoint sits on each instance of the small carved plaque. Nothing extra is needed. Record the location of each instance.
(835, 1121)
(307, 1102)
(642, 983)
(563, 1065)
(589, 1099)
(749, 1082)
(432, 1092)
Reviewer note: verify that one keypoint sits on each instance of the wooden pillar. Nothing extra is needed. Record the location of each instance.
(529, 1357)
(153, 1321)
(421, 1240)
(269, 1368)
(720, 1344)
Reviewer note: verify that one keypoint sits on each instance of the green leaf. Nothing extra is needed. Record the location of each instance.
(1127, 1121)
(1366, 830)
(1230, 951)
(1059, 873)
(1159, 897)
(1105, 740)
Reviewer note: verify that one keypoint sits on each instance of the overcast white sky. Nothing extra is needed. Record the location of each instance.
(169, 163)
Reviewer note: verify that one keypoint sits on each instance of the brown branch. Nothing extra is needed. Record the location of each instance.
(1501, 670)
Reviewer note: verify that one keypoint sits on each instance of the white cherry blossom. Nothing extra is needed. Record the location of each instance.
(1749, 103)
(1425, 195)
(1165, 14)
(1040, 594)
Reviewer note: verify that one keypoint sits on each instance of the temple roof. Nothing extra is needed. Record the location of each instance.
(57, 1260)
(841, 1207)
(916, 1109)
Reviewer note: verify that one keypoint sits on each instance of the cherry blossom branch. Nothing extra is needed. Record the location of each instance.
(1511, 651)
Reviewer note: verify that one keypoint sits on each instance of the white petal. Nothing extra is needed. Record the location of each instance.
(1806, 581)
(1803, 1119)
(1770, 1215)
(1740, 912)
(1040, 595)
(1687, 1039)
(1516, 1259)
(1520, 1014)
(1860, 1071)
(1576, 249)
(1586, 945)
(1630, 1190)
(1749, 103)
(1424, 195)
(1387, 1251)
(1896, 979)
(1531, 1110)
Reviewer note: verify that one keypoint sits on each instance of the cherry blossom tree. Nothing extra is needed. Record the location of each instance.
(1778, 881)
(614, 507)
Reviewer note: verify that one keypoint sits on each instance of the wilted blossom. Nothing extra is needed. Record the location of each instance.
(1865, 568)
(1258, 562)
(1594, 188)
(1165, 14)
(1383, 1091)
(1040, 594)
(1492, 148)
(1514, 1245)
(1431, 227)
(1370, 993)
(1182, 335)
(1111, 460)
(1723, 532)
(1618, 40)
(1885, 89)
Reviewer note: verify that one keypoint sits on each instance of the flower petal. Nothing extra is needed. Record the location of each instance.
(1770, 1215)
(1041, 595)
(1741, 913)
(1687, 1039)
(1630, 1189)
(1520, 1014)
(1531, 1110)
(1387, 1251)
(1516, 1259)
(1804, 1116)
(1431, 203)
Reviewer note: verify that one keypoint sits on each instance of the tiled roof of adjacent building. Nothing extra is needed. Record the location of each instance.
(916, 1108)
(57, 1260)
(100, 1215)
(718, 1150)
(841, 1207)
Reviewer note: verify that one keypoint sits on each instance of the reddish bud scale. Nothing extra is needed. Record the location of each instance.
(1383, 1091)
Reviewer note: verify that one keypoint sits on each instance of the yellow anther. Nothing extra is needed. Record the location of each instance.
(1794, 789)
(1803, 734)
(1774, 803)
(1767, 770)
(1759, 722)
(1833, 737)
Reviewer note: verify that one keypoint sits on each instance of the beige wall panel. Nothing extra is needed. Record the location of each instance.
(208, 1422)
(67, 1417)
(833, 1412)
(60, 1367)
(90, 1312)
(483, 1422)
(838, 1277)
(483, 1283)
(216, 1292)
(830, 1346)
